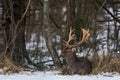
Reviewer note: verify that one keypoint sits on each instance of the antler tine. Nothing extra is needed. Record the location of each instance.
(86, 34)
(71, 36)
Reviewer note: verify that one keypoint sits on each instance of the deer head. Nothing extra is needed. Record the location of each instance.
(68, 47)
(75, 65)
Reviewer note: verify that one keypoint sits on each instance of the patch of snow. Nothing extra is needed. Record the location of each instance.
(55, 75)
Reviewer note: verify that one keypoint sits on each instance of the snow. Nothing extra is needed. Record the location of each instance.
(55, 75)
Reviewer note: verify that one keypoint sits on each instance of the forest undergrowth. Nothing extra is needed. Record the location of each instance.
(105, 63)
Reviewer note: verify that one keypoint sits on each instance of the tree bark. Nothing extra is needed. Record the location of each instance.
(71, 13)
(48, 36)
(15, 29)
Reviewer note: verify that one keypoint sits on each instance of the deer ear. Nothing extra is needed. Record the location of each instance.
(73, 49)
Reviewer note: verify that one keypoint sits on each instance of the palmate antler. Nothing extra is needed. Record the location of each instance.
(71, 37)
(85, 36)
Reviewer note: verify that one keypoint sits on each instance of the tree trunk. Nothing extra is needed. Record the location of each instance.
(48, 36)
(71, 13)
(108, 37)
(15, 29)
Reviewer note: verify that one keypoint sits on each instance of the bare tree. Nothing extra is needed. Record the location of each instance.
(14, 12)
(47, 34)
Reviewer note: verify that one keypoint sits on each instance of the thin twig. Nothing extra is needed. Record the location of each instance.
(103, 4)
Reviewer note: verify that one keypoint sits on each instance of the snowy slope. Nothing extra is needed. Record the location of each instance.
(53, 75)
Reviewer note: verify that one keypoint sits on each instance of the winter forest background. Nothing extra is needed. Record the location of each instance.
(32, 33)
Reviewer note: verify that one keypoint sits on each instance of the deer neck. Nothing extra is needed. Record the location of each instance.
(71, 59)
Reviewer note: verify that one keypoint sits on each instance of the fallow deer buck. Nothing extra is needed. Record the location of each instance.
(75, 65)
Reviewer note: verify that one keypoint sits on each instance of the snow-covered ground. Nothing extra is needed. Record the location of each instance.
(54, 75)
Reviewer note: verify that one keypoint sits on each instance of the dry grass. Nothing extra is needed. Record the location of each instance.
(105, 63)
(8, 66)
